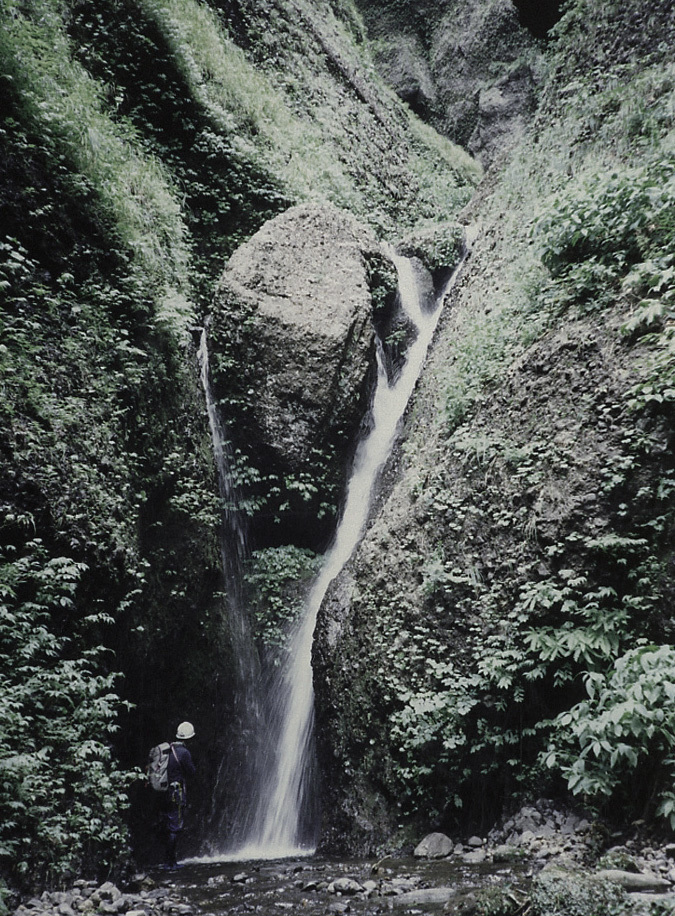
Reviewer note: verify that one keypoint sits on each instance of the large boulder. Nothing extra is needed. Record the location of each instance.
(434, 846)
(293, 337)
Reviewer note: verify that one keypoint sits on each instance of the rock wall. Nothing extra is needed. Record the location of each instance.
(469, 68)
(524, 540)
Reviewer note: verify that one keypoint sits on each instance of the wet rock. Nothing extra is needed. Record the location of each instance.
(106, 892)
(345, 886)
(506, 853)
(475, 857)
(297, 300)
(428, 896)
(215, 880)
(633, 882)
(434, 846)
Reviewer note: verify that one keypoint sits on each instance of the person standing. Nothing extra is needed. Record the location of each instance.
(180, 769)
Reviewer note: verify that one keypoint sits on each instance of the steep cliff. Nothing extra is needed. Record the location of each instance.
(510, 607)
(141, 142)
(470, 69)
(523, 533)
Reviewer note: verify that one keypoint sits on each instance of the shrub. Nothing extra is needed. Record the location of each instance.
(275, 578)
(620, 740)
(594, 233)
(557, 893)
(62, 796)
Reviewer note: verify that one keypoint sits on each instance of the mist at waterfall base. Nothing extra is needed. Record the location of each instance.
(277, 815)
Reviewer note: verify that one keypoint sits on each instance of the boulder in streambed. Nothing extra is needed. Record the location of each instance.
(426, 896)
(630, 881)
(434, 846)
(345, 886)
(293, 349)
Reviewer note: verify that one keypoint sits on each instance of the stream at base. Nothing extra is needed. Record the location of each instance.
(316, 886)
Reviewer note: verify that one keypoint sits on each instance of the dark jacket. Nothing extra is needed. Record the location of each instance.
(181, 769)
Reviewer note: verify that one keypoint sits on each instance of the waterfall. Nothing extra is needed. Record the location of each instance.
(247, 701)
(233, 542)
(281, 824)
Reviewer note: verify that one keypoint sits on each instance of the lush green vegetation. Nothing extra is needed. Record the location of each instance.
(62, 792)
(141, 141)
(277, 579)
(554, 893)
(518, 607)
(527, 552)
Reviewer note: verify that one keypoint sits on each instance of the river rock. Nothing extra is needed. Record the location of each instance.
(475, 857)
(426, 896)
(294, 308)
(345, 886)
(434, 846)
(633, 882)
(505, 853)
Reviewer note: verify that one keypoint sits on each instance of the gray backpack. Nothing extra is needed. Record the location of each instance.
(158, 762)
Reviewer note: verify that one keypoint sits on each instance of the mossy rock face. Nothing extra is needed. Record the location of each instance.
(438, 247)
(470, 69)
(520, 505)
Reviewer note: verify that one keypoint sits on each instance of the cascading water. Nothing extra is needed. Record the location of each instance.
(280, 825)
(247, 703)
(233, 543)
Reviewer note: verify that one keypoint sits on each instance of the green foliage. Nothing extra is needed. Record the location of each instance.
(277, 580)
(62, 795)
(522, 632)
(63, 104)
(558, 893)
(618, 744)
(554, 892)
(438, 247)
(429, 727)
(596, 232)
(499, 900)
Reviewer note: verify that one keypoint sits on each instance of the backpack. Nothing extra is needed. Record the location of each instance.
(158, 761)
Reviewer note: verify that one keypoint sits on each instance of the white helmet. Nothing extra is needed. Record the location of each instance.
(185, 730)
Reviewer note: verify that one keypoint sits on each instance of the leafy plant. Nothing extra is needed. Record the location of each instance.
(619, 742)
(277, 578)
(559, 893)
(62, 796)
(596, 232)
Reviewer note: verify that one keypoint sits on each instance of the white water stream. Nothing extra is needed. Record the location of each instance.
(277, 826)
(234, 544)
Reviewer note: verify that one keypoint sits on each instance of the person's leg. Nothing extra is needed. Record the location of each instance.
(170, 859)
(174, 824)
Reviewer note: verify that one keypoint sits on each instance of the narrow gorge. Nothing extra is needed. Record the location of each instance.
(337, 376)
